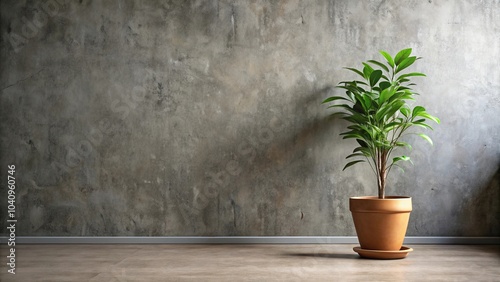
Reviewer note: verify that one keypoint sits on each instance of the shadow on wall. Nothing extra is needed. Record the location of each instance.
(481, 213)
(247, 189)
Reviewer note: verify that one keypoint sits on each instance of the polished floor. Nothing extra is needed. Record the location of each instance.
(321, 262)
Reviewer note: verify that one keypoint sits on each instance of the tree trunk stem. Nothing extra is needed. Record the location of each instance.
(381, 170)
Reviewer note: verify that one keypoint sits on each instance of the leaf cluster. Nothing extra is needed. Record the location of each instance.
(377, 107)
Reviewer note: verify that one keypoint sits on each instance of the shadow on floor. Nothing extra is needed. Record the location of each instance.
(323, 255)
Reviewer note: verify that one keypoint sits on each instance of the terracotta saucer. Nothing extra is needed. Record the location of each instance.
(375, 254)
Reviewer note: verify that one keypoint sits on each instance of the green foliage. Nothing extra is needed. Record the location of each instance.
(379, 114)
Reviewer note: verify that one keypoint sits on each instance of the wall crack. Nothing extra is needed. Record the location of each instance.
(21, 80)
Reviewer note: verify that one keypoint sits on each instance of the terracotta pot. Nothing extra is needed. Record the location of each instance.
(381, 223)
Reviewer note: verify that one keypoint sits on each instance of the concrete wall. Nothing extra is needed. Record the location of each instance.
(203, 117)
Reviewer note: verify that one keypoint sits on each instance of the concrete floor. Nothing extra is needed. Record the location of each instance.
(320, 262)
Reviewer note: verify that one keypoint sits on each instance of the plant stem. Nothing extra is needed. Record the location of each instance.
(381, 172)
(379, 178)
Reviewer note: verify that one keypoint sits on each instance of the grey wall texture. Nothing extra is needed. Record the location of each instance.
(163, 118)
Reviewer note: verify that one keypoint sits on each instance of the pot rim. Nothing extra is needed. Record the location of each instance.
(391, 204)
(376, 198)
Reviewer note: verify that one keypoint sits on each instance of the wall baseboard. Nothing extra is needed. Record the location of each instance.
(244, 240)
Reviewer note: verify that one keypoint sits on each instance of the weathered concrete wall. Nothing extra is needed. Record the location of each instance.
(204, 117)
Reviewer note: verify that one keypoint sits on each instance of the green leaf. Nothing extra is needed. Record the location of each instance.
(375, 77)
(422, 124)
(352, 134)
(388, 110)
(385, 78)
(343, 114)
(394, 108)
(428, 116)
(403, 88)
(384, 145)
(358, 107)
(417, 110)
(397, 96)
(388, 58)
(385, 95)
(405, 111)
(401, 158)
(351, 88)
(353, 82)
(391, 126)
(405, 63)
(344, 106)
(366, 151)
(367, 71)
(355, 155)
(362, 143)
(384, 67)
(384, 85)
(427, 138)
(355, 118)
(403, 144)
(356, 71)
(333, 98)
(408, 96)
(410, 74)
(352, 163)
(401, 55)
(367, 102)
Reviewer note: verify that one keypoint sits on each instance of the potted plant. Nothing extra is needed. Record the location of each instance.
(380, 116)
